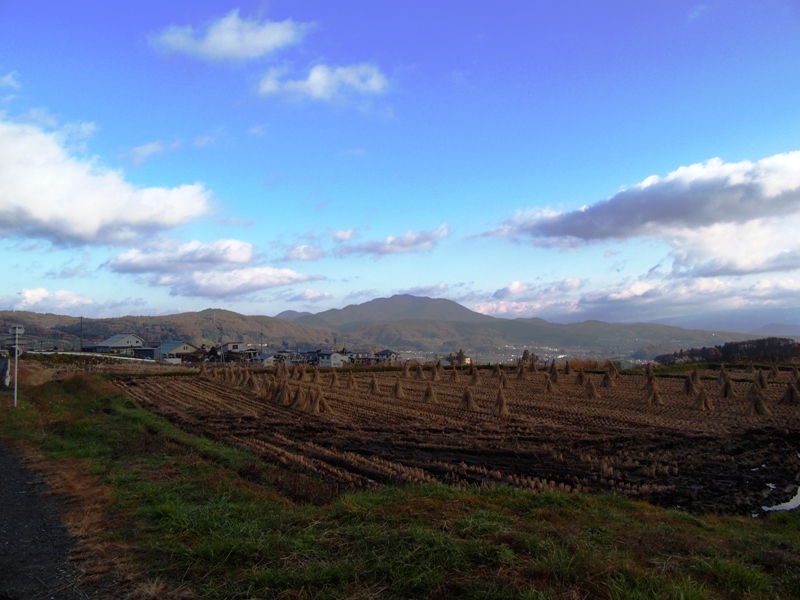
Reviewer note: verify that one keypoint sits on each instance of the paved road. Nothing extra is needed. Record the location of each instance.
(34, 544)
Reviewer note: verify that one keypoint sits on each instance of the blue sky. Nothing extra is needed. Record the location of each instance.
(627, 161)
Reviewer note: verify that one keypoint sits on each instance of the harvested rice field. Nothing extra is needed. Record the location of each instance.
(705, 442)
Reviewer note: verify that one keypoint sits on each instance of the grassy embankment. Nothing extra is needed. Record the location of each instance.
(159, 512)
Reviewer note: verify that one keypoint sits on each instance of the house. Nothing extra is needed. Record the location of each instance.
(266, 360)
(122, 343)
(386, 356)
(178, 349)
(328, 359)
(235, 347)
(360, 357)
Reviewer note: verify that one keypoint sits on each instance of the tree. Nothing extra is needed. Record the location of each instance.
(461, 357)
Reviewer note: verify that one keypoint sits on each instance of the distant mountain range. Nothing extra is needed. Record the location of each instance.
(401, 323)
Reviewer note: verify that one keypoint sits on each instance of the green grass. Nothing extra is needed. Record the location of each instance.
(216, 519)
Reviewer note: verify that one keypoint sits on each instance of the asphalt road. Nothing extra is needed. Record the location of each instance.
(34, 544)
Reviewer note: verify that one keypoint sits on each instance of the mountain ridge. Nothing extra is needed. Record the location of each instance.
(402, 322)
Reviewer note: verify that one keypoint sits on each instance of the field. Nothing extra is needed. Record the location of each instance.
(359, 430)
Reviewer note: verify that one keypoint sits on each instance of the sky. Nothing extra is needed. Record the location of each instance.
(620, 160)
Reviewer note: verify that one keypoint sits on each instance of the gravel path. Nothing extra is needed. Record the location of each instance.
(34, 544)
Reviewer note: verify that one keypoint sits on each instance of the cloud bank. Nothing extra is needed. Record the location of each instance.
(48, 193)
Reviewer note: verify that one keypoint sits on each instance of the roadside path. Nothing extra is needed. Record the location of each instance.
(34, 544)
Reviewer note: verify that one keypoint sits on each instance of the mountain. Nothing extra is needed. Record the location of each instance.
(777, 330)
(389, 310)
(207, 327)
(491, 337)
(291, 315)
(400, 322)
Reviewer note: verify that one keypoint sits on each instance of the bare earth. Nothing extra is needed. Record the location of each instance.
(675, 455)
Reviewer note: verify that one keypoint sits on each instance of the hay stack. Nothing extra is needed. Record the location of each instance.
(429, 397)
(695, 376)
(373, 386)
(553, 373)
(405, 370)
(316, 378)
(775, 372)
(795, 374)
(467, 401)
(497, 371)
(202, 374)
(420, 374)
(351, 382)
(334, 379)
(500, 408)
(791, 395)
(650, 384)
(722, 376)
(608, 380)
(758, 406)
(612, 368)
(761, 380)
(703, 403)
(318, 404)
(689, 386)
(397, 390)
(503, 380)
(567, 369)
(533, 367)
(727, 389)
(653, 398)
(580, 378)
(435, 374)
(475, 379)
(549, 386)
(299, 400)
(522, 374)
(751, 368)
(591, 391)
(553, 368)
(648, 370)
(454, 374)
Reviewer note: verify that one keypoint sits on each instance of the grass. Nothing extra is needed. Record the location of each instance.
(184, 516)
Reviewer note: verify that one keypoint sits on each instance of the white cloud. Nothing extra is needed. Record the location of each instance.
(257, 130)
(343, 235)
(229, 284)
(304, 252)
(141, 154)
(412, 241)
(327, 83)
(42, 300)
(10, 80)
(311, 296)
(427, 290)
(231, 37)
(512, 289)
(178, 258)
(695, 196)
(45, 192)
(719, 218)
(202, 141)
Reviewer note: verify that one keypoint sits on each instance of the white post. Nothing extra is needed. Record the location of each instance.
(16, 331)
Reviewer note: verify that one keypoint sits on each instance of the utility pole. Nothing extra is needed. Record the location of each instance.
(16, 331)
(81, 348)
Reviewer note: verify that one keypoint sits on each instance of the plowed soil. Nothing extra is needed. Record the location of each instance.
(722, 460)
